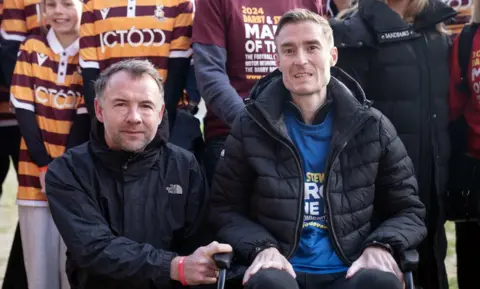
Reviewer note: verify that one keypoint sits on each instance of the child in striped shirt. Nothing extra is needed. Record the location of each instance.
(47, 95)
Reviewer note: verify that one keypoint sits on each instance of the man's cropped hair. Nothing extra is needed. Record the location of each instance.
(134, 67)
(302, 15)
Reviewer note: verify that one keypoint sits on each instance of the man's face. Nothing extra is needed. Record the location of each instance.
(304, 57)
(131, 110)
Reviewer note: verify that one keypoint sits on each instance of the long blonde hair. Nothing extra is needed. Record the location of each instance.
(414, 8)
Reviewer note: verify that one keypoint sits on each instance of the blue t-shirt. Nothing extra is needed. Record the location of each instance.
(315, 253)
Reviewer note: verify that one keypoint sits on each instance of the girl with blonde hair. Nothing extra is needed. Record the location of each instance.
(398, 52)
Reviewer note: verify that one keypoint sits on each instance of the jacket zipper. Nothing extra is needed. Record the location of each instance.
(432, 128)
(125, 165)
(331, 159)
(302, 185)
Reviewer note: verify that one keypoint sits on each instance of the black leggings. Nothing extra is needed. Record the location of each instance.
(363, 279)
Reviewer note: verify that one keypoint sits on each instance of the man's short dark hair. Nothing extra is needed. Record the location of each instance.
(301, 15)
(134, 67)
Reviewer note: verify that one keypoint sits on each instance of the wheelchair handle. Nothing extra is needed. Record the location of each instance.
(223, 261)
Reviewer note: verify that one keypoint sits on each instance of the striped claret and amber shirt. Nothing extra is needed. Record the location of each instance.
(20, 19)
(115, 30)
(47, 83)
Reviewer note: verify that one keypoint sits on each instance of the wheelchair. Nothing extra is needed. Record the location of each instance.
(408, 264)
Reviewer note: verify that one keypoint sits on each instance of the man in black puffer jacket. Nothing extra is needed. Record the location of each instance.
(313, 182)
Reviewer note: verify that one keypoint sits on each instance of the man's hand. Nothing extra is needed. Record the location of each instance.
(268, 258)
(42, 181)
(199, 268)
(375, 258)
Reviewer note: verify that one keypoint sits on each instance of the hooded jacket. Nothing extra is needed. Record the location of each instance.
(125, 216)
(370, 190)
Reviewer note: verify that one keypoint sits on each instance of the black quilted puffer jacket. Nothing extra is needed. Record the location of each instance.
(370, 189)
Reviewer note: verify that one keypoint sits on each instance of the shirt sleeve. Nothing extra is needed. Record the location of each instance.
(22, 95)
(23, 100)
(180, 46)
(14, 24)
(88, 39)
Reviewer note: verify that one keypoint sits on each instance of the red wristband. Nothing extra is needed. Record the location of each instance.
(43, 169)
(181, 272)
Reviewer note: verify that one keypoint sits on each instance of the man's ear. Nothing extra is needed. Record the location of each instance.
(333, 56)
(277, 61)
(162, 110)
(98, 110)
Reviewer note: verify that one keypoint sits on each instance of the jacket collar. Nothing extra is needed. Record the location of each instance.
(320, 114)
(389, 26)
(348, 99)
(128, 165)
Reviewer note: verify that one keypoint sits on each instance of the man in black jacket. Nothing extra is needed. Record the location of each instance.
(127, 203)
(313, 183)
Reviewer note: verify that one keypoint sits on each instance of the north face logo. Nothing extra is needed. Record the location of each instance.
(174, 189)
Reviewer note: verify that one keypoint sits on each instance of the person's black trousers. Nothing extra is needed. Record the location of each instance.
(468, 244)
(468, 254)
(15, 275)
(363, 279)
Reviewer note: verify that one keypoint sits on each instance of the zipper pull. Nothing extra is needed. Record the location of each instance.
(125, 165)
(367, 104)
(247, 100)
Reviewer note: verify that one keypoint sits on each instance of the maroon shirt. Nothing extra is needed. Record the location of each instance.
(246, 29)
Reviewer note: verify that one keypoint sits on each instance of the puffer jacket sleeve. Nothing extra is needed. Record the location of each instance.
(231, 196)
(87, 235)
(397, 203)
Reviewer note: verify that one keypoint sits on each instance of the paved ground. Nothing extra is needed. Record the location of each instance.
(8, 219)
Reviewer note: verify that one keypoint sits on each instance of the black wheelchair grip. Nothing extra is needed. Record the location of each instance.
(223, 260)
(409, 261)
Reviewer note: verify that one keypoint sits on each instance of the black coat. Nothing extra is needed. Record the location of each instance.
(404, 70)
(370, 189)
(125, 216)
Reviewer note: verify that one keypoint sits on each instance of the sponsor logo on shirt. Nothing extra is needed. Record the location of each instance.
(60, 99)
(133, 37)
